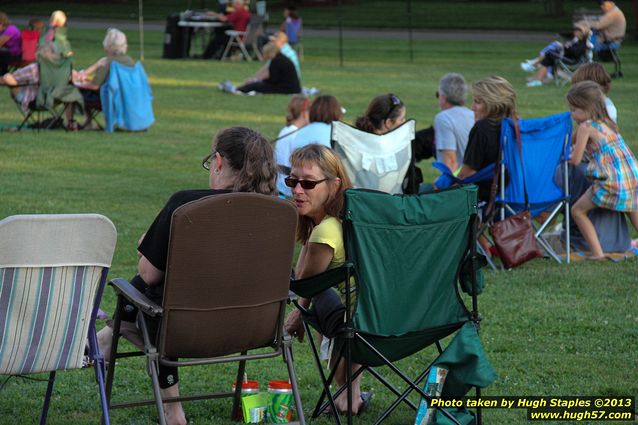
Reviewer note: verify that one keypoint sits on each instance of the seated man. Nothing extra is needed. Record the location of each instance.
(453, 124)
(281, 41)
(90, 80)
(610, 28)
(238, 19)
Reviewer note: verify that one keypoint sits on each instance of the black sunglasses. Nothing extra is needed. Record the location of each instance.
(305, 184)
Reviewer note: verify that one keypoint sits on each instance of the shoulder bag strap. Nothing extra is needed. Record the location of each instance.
(520, 153)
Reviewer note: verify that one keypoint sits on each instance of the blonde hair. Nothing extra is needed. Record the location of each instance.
(58, 18)
(498, 96)
(297, 105)
(588, 96)
(593, 72)
(270, 50)
(4, 19)
(115, 42)
(332, 167)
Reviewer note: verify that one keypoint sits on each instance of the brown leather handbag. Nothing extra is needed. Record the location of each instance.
(514, 236)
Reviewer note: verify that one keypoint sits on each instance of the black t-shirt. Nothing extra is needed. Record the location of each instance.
(283, 75)
(154, 246)
(482, 149)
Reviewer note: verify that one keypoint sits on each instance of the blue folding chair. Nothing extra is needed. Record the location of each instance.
(546, 144)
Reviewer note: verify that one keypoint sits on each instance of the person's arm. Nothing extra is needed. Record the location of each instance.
(4, 39)
(313, 259)
(149, 273)
(582, 136)
(261, 75)
(465, 172)
(445, 141)
(603, 22)
(448, 157)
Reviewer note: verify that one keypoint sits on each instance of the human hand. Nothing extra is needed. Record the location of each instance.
(294, 325)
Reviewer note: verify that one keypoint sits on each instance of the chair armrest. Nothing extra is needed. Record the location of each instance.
(313, 285)
(235, 33)
(124, 288)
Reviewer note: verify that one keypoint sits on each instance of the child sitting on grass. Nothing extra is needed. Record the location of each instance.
(612, 168)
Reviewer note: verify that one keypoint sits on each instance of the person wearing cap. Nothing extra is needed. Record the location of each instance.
(570, 52)
(611, 27)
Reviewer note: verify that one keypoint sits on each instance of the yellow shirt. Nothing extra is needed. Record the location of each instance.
(330, 232)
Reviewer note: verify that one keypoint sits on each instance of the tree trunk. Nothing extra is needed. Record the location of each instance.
(555, 7)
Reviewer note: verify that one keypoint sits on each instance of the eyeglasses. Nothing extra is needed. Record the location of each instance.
(209, 158)
(305, 184)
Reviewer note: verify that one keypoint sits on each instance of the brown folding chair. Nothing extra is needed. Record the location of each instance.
(225, 291)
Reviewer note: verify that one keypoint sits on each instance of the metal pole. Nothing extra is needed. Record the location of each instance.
(141, 25)
(409, 11)
(339, 11)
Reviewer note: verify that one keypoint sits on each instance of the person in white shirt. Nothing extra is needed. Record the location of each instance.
(296, 118)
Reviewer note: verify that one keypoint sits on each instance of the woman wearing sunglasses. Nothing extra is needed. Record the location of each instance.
(318, 180)
(242, 160)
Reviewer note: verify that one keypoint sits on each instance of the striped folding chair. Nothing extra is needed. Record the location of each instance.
(52, 274)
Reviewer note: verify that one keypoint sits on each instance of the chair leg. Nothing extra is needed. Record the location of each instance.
(325, 382)
(98, 365)
(235, 413)
(244, 52)
(110, 373)
(47, 398)
(287, 353)
(227, 49)
(153, 367)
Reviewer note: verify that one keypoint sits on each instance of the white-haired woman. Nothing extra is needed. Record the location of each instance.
(90, 79)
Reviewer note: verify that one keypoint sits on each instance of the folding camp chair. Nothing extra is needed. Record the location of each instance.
(546, 144)
(608, 52)
(565, 67)
(126, 98)
(55, 93)
(52, 274)
(219, 299)
(244, 39)
(407, 254)
(372, 161)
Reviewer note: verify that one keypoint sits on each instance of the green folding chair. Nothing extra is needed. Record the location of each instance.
(408, 255)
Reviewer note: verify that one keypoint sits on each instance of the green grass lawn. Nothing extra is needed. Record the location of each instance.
(548, 329)
(434, 14)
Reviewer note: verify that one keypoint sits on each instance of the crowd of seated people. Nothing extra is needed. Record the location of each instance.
(82, 86)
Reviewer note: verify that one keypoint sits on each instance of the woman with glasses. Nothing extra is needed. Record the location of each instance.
(242, 160)
(318, 180)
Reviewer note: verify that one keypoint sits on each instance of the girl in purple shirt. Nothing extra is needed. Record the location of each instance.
(10, 43)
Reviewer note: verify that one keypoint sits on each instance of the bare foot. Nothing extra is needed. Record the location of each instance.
(104, 340)
(173, 412)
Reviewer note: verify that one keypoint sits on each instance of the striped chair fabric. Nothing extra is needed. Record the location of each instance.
(44, 317)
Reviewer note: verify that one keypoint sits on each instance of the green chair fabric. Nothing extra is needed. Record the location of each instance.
(408, 253)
